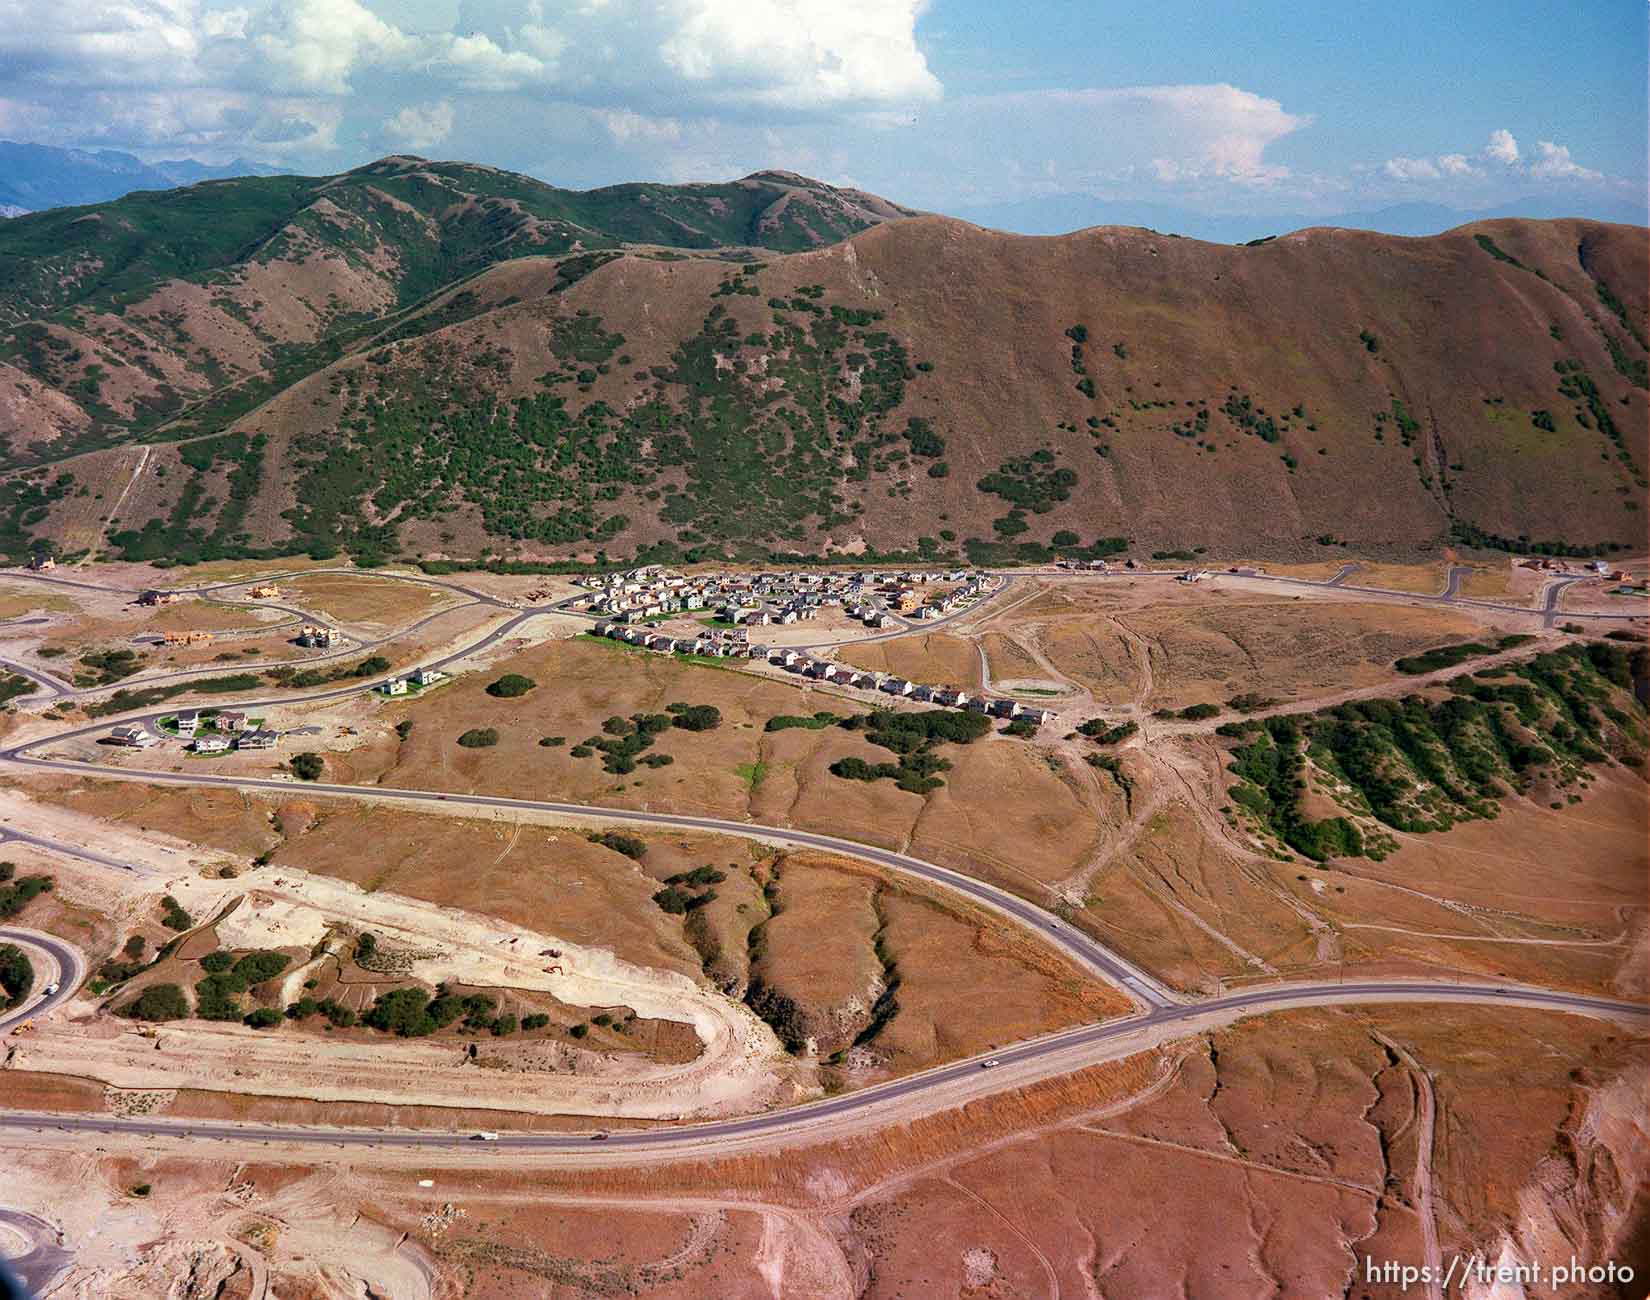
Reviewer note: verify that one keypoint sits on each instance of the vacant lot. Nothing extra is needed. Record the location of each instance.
(932, 658)
(358, 600)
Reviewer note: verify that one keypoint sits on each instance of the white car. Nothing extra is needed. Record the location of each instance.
(992, 1064)
(51, 988)
(486, 1135)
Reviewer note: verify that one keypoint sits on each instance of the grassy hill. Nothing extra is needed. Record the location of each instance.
(444, 360)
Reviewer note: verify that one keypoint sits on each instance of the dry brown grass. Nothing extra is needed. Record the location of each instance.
(356, 600)
(933, 658)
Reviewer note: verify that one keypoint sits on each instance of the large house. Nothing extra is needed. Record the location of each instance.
(188, 721)
(134, 734)
(394, 686)
(211, 744)
(256, 740)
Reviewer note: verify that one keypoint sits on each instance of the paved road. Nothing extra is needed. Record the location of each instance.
(71, 970)
(1076, 1046)
(56, 686)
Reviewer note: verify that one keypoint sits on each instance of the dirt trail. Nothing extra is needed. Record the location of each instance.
(114, 512)
(1427, 1115)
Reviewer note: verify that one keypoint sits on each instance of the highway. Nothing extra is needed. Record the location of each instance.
(1067, 1050)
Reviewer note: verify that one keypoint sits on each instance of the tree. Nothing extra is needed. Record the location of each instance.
(479, 738)
(510, 686)
(308, 766)
(158, 1002)
(16, 975)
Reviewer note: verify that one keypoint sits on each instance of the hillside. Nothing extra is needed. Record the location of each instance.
(436, 359)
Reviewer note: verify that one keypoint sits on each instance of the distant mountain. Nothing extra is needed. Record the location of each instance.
(1059, 214)
(441, 359)
(34, 177)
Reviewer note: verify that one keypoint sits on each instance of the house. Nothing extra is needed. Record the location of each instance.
(758, 651)
(134, 734)
(233, 720)
(923, 693)
(979, 704)
(1037, 716)
(264, 591)
(42, 563)
(155, 598)
(211, 744)
(394, 686)
(187, 638)
(1004, 708)
(605, 628)
(188, 721)
(312, 634)
(951, 699)
(427, 676)
(256, 740)
(786, 658)
(887, 620)
(898, 686)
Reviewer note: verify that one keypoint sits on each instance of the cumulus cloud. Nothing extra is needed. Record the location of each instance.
(1502, 148)
(1553, 163)
(1177, 133)
(1550, 162)
(419, 127)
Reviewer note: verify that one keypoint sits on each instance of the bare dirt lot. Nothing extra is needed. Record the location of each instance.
(932, 658)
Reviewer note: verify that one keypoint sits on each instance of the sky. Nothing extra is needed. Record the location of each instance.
(1310, 107)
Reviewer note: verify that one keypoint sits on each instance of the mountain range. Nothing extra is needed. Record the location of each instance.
(445, 361)
(34, 177)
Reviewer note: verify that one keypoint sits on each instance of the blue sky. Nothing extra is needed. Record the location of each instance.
(1262, 109)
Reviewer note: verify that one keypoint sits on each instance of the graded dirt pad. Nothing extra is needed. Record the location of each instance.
(1422, 579)
(359, 600)
(21, 598)
(931, 658)
(1208, 644)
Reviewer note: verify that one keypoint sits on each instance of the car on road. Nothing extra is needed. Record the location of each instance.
(992, 1064)
(599, 1136)
(51, 988)
(485, 1135)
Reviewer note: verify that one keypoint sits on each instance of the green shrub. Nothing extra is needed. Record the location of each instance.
(307, 766)
(158, 1002)
(172, 915)
(694, 717)
(479, 738)
(510, 686)
(263, 1018)
(629, 845)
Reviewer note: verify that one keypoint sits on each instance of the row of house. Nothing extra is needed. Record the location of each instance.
(136, 736)
(823, 670)
(776, 597)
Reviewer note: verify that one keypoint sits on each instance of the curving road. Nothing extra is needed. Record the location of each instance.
(1057, 1053)
(71, 970)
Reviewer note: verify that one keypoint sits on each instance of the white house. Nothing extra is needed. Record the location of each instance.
(211, 744)
(134, 734)
(256, 740)
(395, 686)
(428, 676)
(188, 721)
(233, 720)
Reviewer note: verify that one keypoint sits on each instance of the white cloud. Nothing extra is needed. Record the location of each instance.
(625, 126)
(1502, 148)
(1179, 133)
(315, 45)
(416, 127)
(1411, 169)
(1456, 164)
(1553, 163)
